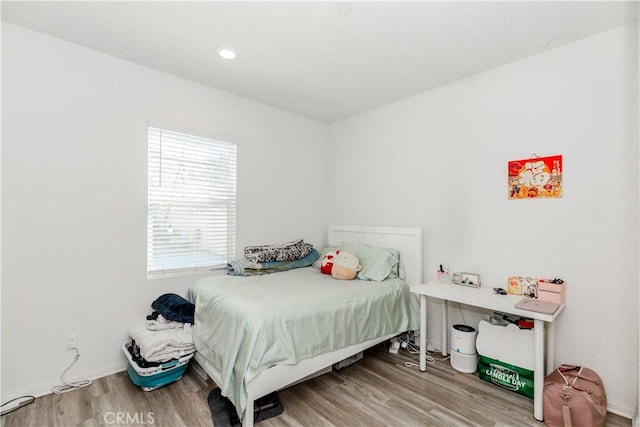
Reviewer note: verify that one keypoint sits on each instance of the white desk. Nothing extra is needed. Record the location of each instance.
(484, 297)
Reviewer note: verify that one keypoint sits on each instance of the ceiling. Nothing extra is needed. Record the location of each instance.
(313, 59)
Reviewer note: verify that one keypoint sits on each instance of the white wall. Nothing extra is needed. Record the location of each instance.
(636, 419)
(439, 160)
(74, 192)
(74, 164)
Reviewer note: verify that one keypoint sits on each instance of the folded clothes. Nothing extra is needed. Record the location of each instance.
(170, 354)
(288, 251)
(160, 323)
(174, 307)
(164, 345)
(250, 268)
(134, 351)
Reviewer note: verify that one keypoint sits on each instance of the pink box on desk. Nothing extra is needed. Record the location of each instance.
(552, 292)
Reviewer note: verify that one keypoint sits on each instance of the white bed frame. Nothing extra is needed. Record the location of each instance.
(408, 240)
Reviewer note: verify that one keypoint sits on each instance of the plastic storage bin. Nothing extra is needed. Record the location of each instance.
(506, 357)
(552, 292)
(152, 378)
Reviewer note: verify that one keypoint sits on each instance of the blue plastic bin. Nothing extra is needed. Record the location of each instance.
(152, 378)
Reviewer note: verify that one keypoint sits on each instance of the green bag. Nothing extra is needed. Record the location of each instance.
(507, 376)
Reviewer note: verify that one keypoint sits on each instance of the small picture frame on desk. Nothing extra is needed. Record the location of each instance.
(471, 280)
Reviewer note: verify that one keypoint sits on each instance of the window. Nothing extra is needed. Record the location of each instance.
(191, 203)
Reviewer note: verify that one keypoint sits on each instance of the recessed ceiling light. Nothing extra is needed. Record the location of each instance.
(344, 8)
(226, 53)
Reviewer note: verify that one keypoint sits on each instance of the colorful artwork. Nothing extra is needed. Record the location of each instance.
(538, 177)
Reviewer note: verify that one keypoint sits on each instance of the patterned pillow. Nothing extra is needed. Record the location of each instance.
(288, 251)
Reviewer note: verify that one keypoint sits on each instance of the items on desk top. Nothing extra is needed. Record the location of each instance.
(519, 285)
(499, 291)
(552, 290)
(463, 279)
(443, 274)
(471, 280)
(537, 305)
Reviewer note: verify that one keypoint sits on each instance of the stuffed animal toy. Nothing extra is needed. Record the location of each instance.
(345, 266)
(327, 262)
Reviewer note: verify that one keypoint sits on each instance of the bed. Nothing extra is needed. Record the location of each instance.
(281, 328)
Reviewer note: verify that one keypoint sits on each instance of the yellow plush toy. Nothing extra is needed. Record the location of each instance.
(345, 266)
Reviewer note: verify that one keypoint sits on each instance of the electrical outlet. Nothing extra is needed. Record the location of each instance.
(72, 341)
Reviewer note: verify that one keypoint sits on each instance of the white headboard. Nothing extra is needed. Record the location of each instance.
(408, 240)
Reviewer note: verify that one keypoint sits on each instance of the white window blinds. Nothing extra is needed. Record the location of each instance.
(192, 203)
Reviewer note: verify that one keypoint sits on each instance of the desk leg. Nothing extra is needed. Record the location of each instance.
(445, 322)
(538, 368)
(423, 333)
(550, 363)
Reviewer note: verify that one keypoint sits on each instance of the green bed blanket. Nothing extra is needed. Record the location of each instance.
(244, 325)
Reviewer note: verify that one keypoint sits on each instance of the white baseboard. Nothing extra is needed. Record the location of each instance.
(434, 346)
(621, 409)
(198, 369)
(44, 388)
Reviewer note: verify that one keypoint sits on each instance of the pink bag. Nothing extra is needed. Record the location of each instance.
(574, 396)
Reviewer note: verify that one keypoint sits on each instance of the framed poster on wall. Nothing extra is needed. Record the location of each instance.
(536, 177)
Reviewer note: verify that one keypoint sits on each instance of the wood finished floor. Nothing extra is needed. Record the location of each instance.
(377, 391)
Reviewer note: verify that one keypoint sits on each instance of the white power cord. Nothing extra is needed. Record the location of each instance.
(407, 342)
(66, 387)
(461, 313)
(17, 403)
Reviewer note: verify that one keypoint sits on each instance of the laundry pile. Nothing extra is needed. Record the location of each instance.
(268, 259)
(166, 334)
